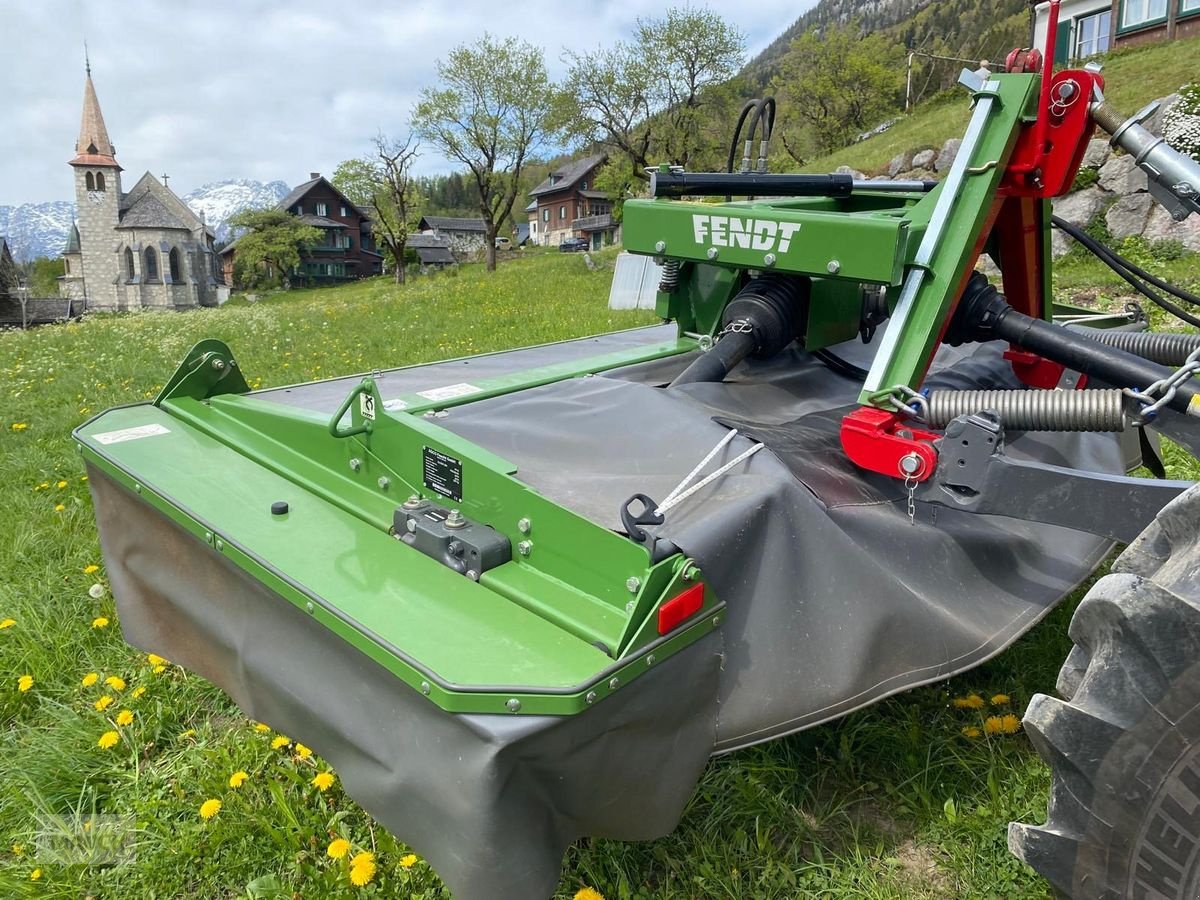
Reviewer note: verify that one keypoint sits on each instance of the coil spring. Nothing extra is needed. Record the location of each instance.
(1034, 410)
(1166, 349)
(669, 280)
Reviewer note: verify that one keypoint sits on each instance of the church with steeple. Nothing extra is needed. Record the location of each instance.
(132, 250)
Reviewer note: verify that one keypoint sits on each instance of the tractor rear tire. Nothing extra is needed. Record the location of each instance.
(1124, 744)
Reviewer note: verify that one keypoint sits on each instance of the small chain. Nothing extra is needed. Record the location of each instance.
(1163, 391)
(737, 326)
(910, 483)
(909, 403)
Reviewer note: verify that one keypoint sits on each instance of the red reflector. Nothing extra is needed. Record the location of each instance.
(680, 608)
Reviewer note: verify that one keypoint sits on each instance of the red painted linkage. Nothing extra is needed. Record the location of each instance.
(882, 442)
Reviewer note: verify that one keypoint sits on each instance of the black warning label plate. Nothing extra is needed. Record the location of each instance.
(443, 474)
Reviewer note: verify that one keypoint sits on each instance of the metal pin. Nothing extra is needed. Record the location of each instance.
(514, 705)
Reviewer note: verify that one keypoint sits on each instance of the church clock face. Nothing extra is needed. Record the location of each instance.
(95, 196)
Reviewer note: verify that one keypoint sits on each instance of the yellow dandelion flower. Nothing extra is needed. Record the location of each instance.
(210, 808)
(137, 692)
(323, 781)
(280, 742)
(588, 893)
(338, 848)
(58, 507)
(18, 849)
(19, 426)
(115, 682)
(89, 569)
(971, 731)
(100, 622)
(35, 874)
(154, 659)
(89, 679)
(362, 868)
(1010, 724)
(261, 728)
(60, 485)
(108, 740)
(103, 703)
(1000, 699)
(124, 717)
(191, 732)
(7, 623)
(237, 779)
(407, 862)
(24, 683)
(303, 752)
(158, 670)
(971, 701)
(43, 485)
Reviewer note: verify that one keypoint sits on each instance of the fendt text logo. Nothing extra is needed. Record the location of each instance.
(749, 234)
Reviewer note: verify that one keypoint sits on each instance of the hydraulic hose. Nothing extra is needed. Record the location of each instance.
(717, 362)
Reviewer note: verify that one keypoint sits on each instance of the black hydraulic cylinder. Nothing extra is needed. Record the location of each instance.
(750, 184)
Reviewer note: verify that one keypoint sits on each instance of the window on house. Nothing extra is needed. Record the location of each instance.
(89, 181)
(151, 264)
(298, 209)
(562, 212)
(322, 209)
(1139, 12)
(68, 265)
(1189, 6)
(345, 212)
(99, 181)
(1092, 34)
(129, 272)
(583, 185)
(174, 265)
(546, 214)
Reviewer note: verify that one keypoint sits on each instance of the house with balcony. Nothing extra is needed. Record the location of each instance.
(1088, 28)
(568, 205)
(347, 248)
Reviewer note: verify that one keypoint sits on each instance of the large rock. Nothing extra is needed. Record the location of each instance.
(1154, 123)
(1097, 153)
(1060, 244)
(1128, 216)
(945, 159)
(1122, 176)
(900, 162)
(924, 159)
(854, 173)
(1080, 207)
(1161, 227)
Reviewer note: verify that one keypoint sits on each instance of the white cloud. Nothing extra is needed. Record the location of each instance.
(258, 89)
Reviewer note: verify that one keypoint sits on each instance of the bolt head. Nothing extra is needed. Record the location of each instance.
(218, 364)
(660, 246)
(523, 525)
(769, 260)
(633, 584)
(513, 705)
(220, 544)
(525, 547)
(308, 607)
(630, 606)
(455, 519)
(911, 464)
(651, 659)
(411, 525)
(690, 573)
(383, 482)
(425, 688)
(591, 697)
(833, 267)
(472, 574)
(712, 253)
(413, 502)
(355, 464)
(614, 683)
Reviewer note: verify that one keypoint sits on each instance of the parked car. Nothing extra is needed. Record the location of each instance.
(503, 243)
(574, 245)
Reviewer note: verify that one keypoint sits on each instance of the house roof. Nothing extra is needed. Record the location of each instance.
(72, 240)
(594, 195)
(532, 207)
(150, 212)
(427, 240)
(297, 194)
(320, 221)
(93, 148)
(449, 223)
(435, 255)
(564, 178)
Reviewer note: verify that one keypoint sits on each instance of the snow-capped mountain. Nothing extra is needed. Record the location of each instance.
(220, 200)
(36, 229)
(41, 229)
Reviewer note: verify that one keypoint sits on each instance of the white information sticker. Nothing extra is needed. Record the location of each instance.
(366, 406)
(450, 392)
(130, 434)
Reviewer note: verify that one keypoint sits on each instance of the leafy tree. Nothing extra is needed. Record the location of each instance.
(494, 104)
(385, 183)
(647, 100)
(271, 247)
(41, 276)
(840, 83)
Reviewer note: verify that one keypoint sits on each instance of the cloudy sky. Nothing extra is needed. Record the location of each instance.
(264, 90)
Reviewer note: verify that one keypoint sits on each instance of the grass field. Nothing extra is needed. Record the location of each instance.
(1132, 77)
(909, 799)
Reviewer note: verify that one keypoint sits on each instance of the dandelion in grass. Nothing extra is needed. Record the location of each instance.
(96, 591)
(125, 717)
(1000, 700)
(238, 778)
(18, 849)
(303, 752)
(116, 682)
(280, 742)
(89, 679)
(24, 683)
(7, 623)
(190, 733)
(588, 893)
(89, 569)
(407, 862)
(58, 507)
(35, 874)
(210, 808)
(108, 740)
(323, 781)
(158, 670)
(362, 868)
(1009, 724)
(261, 728)
(137, 692)
(100, 622)
(337, 848)
(19, 426)
(103, 703)
(971, 701)
(60, 485)
(971, 731)
(153, 659)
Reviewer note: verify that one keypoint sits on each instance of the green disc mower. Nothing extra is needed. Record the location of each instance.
(521, 598)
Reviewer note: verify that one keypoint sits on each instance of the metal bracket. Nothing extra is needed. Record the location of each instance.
(975, 475)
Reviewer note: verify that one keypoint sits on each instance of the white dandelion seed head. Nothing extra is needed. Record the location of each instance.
(96, 591)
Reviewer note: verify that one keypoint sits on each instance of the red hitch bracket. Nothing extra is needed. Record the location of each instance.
(1037, 371)
(881, 441)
